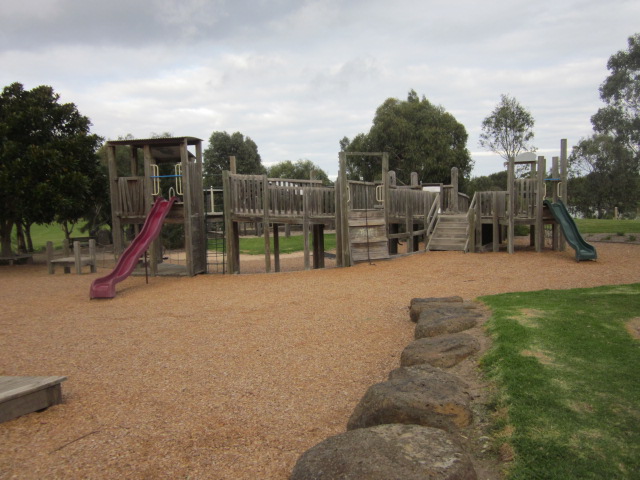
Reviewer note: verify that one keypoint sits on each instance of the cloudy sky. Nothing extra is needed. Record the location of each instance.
(296, 76)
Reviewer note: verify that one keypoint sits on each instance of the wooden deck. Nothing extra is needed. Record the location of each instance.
(22, 395)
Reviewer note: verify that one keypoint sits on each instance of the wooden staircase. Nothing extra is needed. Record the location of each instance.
(450, 233)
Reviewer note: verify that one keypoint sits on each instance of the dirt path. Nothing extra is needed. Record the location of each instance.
(230, 377)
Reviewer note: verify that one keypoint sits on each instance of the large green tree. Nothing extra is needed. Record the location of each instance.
(301, 170)
(508, 130)
(419, 137)
(49, 169)
(609, 160)
(222, 146)
(620, 117)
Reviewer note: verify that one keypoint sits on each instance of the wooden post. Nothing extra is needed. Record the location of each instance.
(539, 231)
(189, 211)
(414, 179)
(342, 204)
(495, 222)
(318, 246)
(92, 255)
(305, 229)
(454, 192)
(276, 247)
(118, 244)
(265, 220)
(409, 226)
(478, 224)
(512, 204)
(386, 191)
(155, 249)
(555, 239)
(76, 257)
(232, 165)
(50, 266)
(230, 226)
(563, 184)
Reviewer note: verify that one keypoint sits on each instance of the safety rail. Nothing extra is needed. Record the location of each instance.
(432, 216)
(248, 194)
(471, 221)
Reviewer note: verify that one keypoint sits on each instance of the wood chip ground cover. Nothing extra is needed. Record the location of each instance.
(230, 377)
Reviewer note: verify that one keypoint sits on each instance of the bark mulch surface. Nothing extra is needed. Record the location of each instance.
(230, 377)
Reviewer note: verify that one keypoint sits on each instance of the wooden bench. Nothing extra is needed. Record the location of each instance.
(76, 260)
(22, 395)
(11, 259)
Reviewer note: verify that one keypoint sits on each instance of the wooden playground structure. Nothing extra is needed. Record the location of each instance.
(371, 219)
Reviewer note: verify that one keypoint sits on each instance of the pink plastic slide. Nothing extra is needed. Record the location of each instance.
(105, 287)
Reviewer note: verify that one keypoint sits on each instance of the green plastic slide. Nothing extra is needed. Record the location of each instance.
(584, 251)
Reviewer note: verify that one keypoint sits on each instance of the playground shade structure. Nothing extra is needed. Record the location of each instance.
(584, 250)
(105, 287)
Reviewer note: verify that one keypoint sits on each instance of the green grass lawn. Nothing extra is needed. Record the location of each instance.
(294, 243)
(608, 226)
(568, 382)
(40, 235)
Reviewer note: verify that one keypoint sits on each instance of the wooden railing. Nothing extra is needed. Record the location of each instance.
(131, 195)
(362, 195)
(525, 190)
(250, 193)
(407, 201)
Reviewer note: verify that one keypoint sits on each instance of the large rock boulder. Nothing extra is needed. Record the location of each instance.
(432, 326)
(443, 304)
(420, 395)
(386, 452)
(444, 351)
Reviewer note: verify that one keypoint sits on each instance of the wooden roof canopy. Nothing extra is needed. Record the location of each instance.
(165, 149)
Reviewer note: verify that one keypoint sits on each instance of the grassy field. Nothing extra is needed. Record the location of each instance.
(568, 383)
(294, 243)
(255, 246)
(623, 227)
(41, 234)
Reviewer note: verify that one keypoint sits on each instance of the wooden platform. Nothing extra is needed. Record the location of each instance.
(22, 395)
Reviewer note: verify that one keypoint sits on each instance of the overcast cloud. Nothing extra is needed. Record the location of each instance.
(297, 76)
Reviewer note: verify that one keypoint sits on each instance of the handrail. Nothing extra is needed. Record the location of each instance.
(471, 221)
(432, 216)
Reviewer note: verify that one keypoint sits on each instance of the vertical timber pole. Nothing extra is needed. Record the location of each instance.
(512, 203)
(454, 193)
(386, 190)
(563, 184)
(342, 205)
(555, 239)
(539, 232)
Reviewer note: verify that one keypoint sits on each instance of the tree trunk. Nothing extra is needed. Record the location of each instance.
(6, 226)
(27, 234)
(22, 247)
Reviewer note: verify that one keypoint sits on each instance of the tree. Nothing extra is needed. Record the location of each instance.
(221, 147)
(508, 131)
(609, 174)
(493, 182)
(620, 117)
(610, 159)
(419, 137)
(48, 164)
(301, 170)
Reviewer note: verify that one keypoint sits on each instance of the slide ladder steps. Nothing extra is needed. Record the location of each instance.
(450, 233)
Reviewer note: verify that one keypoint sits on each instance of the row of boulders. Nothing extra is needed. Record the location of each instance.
(407, 427)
